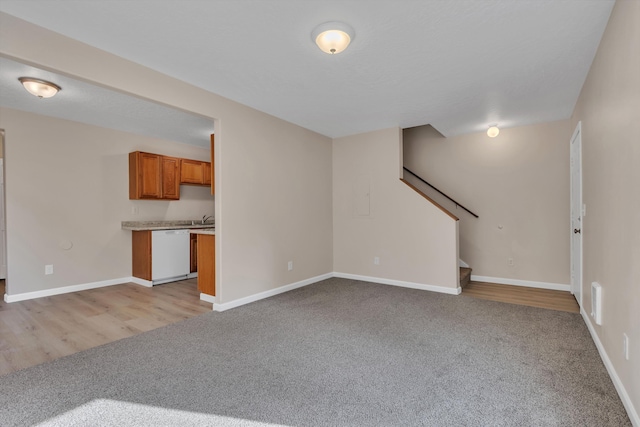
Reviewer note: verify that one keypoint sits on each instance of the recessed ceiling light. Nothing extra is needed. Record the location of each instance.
(333, 37)
(39, 88)
(493, 131)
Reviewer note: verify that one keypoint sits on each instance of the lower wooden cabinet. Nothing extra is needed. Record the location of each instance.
(207, 263)
(194, 253)
(141, 251)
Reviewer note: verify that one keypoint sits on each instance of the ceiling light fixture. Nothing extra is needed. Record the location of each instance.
(333, 37)
(39, 88)
(493, 131)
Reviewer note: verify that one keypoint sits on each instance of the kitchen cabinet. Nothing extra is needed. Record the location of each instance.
(207, 173)
(194, 253)
(141, 251)
(170, 178)
(207, 263)
(195, 172)
(153, 176)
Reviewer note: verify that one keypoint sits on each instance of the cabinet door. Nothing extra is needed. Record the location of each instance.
(194, 253)
(144, 176)
(207, 264)
(191, 172)
(170, 178)
(207, 173)
(141, 252)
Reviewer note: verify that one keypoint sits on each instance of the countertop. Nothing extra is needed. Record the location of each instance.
(169, 225)
(210, 231)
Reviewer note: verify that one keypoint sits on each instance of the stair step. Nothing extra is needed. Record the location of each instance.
(465, 276)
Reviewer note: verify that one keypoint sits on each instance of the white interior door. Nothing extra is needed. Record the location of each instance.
(577, 212)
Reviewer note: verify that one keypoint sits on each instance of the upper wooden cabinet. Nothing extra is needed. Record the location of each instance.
(207, 173)
(170, 178)
(195, 172)
(152, 176)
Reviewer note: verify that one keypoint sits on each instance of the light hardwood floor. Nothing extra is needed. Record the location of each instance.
(541, 298)
(43, 329)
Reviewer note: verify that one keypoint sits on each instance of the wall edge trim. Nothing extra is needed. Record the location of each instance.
(207, 298)
(622, 391)
(400, 283)
(271, 292)
(65, 289)
(141, 282)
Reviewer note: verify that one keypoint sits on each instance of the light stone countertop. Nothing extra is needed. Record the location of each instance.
(167, 225)
(210, 231)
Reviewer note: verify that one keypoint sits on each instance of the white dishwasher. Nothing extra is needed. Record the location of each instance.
(170, 251)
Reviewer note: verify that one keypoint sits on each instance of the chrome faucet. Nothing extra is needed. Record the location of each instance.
(205, 218)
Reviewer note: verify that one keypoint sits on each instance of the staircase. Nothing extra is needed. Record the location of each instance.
(465, 276)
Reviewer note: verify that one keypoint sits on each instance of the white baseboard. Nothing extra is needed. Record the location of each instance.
(622, 392)
(266, 294)
(151, 283)
(411, 285)
(461, 263)
(527, 283)
(65, 289)
(207, 298)
(142, 282)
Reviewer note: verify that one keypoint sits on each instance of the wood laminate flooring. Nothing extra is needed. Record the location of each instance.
(533, 297)
(43, 329)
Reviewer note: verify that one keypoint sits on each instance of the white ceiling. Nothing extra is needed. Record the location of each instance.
(86, 103)
(459, 65)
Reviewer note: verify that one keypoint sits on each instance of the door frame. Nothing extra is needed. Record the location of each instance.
(575, 167)
(3, 216)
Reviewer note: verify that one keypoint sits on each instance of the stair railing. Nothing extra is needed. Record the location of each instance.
(449, 198)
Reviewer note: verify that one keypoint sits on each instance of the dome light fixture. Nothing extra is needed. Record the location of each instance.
(39, 88)
(493, 131)
(333, 37)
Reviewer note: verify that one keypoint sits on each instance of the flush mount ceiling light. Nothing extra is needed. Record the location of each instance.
(39, 88)
(333, 37)
(493, 131)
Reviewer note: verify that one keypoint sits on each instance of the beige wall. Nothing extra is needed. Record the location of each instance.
(273, 179)
(609, 109)
(68, 181)
(376, 215)
(518, 185)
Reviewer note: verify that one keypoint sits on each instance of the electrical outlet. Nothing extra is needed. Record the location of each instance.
(376, 260)
(290, 266)
(48, 269)
(511, 262)
(134, 210)
(625, 346)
